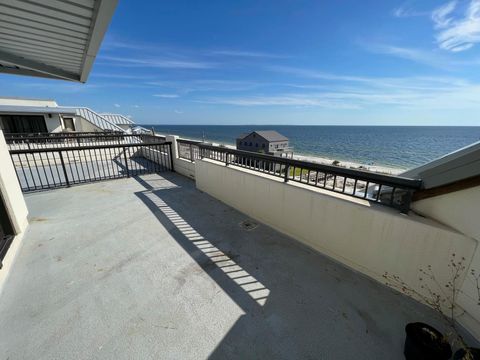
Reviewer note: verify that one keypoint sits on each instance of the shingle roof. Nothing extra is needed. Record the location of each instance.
(269, 135)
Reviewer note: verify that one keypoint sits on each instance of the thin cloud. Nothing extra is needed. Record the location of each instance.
(363, 92)
(420, 56)
(247, 54)
(178, 111)
(457, 33)
(440, 15)
(167, 96)
(394, 82)
(407, 10)
(116, 105)
(157, 63)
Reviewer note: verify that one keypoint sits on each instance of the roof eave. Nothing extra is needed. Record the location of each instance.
(33, 68)
(104, 14)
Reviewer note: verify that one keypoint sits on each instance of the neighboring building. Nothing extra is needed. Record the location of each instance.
(18, 115)
(267, 142)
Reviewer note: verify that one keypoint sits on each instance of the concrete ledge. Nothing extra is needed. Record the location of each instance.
(184, 167)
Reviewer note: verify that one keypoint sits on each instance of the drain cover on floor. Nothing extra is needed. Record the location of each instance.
(248, 224)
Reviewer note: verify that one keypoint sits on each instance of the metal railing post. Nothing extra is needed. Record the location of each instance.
(126, 161)
(64, 168)
(287, 170)
(226, 158)
(406, 201)
(191, 153)
(171, 156)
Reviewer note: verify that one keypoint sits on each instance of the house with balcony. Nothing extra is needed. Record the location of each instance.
(39, 116)
(268, 142)
(134, 247)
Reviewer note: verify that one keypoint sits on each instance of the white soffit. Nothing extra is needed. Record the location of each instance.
(52, 38)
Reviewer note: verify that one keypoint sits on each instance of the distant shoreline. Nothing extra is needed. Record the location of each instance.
(386, 149)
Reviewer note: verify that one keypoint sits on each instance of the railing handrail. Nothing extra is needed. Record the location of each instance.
(190, 142)
(389, 180)
(54, 134)
(73, 148)
(33, 138)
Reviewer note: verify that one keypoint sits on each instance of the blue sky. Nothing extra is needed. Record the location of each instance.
(293, 62)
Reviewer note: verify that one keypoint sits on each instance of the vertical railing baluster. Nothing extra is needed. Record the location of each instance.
(64, 169)
(126, 161)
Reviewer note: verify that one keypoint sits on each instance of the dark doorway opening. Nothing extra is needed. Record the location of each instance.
(15, 124)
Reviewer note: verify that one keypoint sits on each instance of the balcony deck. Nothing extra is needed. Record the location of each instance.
(150, 267)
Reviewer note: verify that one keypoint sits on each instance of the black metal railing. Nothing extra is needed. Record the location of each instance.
(67, 141)
(393, 191)
(47, 168)
(188, 149)
(60, 134)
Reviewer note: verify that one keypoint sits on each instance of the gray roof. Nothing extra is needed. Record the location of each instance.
(15, 109)
(52, 38)
(458, 165)
(269, 135)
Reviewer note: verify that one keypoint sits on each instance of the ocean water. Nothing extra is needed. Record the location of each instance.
(395, 146)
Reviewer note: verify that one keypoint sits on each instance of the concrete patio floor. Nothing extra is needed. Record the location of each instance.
(152, 268)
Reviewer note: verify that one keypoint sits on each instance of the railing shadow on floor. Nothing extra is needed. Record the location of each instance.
(297, 302)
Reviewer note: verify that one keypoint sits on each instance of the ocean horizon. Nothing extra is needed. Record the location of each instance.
(400, 147)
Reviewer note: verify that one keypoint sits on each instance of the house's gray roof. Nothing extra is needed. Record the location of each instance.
(52, 38)
(269, 135)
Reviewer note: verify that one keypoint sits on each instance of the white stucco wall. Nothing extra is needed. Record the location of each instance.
(10, 190)
(461, 211)
(370, 239)
(181, 166)
(17, 211)
(53, 123)
(82, 125)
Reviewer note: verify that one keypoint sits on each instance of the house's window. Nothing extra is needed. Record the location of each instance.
(263, 145)
(68, 124)
(256, 145)
(250, 144)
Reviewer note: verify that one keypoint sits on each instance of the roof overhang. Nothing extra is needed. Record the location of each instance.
(12, 109)
(52, 38)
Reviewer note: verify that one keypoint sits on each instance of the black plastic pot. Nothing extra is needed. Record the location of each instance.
(462, 354)
(424, 342)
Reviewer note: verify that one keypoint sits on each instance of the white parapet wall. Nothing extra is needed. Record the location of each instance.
(181, 166)
(372, 239)
(10, 190)
(460, 210)
(15, 206)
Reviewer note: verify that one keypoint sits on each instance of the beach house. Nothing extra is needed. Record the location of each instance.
(266, 142)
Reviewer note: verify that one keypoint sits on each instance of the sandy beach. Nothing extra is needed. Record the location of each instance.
(347, 164)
